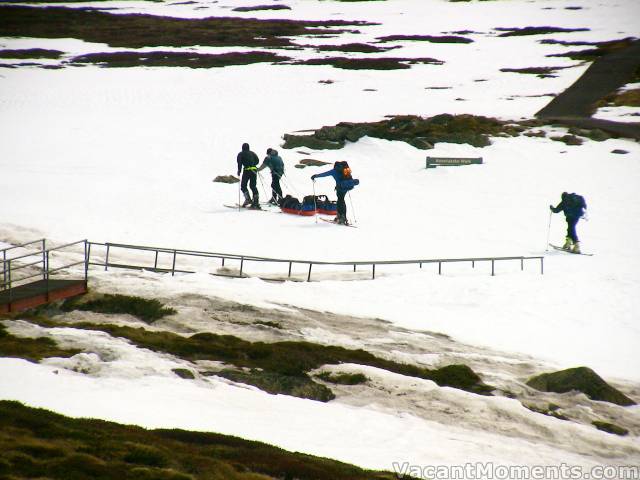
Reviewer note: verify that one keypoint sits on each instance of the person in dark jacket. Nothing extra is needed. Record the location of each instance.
(247, 162)
(276, 165)
(342, 187)
(573, 206)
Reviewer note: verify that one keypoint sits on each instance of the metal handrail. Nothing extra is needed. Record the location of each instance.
(22, 245)
(291, 262)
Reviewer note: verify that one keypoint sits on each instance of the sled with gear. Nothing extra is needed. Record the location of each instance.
(293, 206)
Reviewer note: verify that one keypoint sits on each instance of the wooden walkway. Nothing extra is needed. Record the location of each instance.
(38, 293)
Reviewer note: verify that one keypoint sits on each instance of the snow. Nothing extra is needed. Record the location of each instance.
(128, 155)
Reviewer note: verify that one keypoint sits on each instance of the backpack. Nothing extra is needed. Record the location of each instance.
(290, 202)
(343, 170)
(344, 179)
(575, 201)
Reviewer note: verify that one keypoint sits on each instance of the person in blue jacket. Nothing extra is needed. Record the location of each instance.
(341, 173)
(573, 206)
(276, 165)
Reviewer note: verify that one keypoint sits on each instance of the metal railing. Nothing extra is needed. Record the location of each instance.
(36, 264)
(175, 254)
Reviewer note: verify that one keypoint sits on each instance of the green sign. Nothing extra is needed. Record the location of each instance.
(433, 162)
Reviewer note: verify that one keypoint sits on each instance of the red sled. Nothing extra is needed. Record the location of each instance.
(295, 211)
(327, 212)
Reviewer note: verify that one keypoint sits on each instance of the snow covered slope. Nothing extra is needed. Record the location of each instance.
(128, 155)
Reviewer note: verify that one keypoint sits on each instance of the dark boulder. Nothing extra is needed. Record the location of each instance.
(582, 379)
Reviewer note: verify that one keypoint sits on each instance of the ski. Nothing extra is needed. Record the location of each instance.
(240, 207)
(341, 224)
(569, 251)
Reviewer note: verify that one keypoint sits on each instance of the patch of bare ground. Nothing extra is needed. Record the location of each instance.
(387, 63)
(601, 48)
(542, 72)
(258, 8)
(517, 32)
(31, 53)
(138, 30)
(353, 47)
(425, 38)
(176, 59)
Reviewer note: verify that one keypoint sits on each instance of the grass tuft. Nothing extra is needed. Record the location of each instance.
(343, 378)
(146, 310)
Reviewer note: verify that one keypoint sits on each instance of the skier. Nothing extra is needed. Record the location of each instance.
(248, 161)
(573, 206)
(276, 165)
(341, 173)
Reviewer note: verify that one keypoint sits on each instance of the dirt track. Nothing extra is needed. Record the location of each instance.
(605, 75)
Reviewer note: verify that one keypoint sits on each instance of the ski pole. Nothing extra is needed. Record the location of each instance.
(289, 185)
(548, 231)
(353, 209)
(239, 184)
(315, 207)
(264, 189)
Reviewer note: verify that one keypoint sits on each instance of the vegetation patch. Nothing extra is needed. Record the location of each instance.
(343, 378)
(420, 132)
(519, 32)
(138, 30)
(176, 59)
(32, 349)
(36, 443)
(31, 53)
(581, 379)
(293, 359)
(594, 134)
(550, 411)
(626, 98)
(387, 63)
(610, 428)
(184, 373)
(353, 47)
(570, 140)
(261, 7)
(146, 310)
(425, 38)
(542, 72)
(301, 386)
(589, 55)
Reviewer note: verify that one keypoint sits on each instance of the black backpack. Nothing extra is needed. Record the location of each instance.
(576, 201)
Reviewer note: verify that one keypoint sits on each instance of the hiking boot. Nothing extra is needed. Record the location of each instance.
(273, 201)
(256, 203)
(247, 200)
(576, 248)
(567, 244)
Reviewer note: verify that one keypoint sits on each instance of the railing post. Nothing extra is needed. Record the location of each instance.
(541, 265)
(354, 268)
(173, 266)
(44, 264)
(420, 264)
(309, 275)
(473, 264)
(106, 258)
(9, 283)
(241, 265)
(522, 264)
(373, 276)
(223, 261)
(87, 258)
(439, 268)
(289, 269)
(493, 271)
(46, 267)
(4, 269)
(155, 262)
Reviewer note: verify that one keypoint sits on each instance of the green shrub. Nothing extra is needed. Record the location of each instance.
(343, 378)
(610, 428)
(142, 308)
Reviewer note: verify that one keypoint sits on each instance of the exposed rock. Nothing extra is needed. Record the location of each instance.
(310, 162)
(226, 179)
(184, 373)
(568, 139)
(610, 428)
(419, 132)
(618, 151)
(582, 379)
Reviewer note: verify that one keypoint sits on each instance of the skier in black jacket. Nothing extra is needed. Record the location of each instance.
(573, 206)
(248, 163)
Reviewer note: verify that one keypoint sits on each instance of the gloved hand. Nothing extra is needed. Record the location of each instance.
(313, 177)
(238, 172)
(551, 207)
